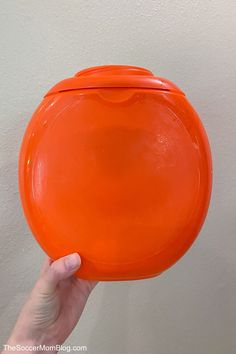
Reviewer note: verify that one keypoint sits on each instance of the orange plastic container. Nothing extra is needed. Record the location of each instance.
(115, 164)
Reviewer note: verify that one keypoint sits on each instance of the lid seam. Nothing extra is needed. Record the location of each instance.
(120, 87)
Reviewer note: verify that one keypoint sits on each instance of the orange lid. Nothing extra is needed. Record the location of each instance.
(114, 76)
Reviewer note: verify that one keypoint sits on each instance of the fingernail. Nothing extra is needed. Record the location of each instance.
(72, 261)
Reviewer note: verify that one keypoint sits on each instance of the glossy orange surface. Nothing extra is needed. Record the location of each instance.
(115, 164)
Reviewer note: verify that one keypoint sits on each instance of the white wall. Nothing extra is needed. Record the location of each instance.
(192, 307)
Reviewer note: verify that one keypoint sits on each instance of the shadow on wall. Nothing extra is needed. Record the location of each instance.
(113, 324)
(13, 224)
(16, 242)
(181, 311)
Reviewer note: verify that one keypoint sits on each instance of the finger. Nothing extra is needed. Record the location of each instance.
(46, 264)
(58, 270)
(85, 286)
(93, 283)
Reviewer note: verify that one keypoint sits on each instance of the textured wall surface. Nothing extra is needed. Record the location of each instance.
(192, 307)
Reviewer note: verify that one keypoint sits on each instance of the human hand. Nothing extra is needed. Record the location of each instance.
(55, 304)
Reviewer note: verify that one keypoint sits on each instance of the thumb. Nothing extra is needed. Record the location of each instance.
(58, 270)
